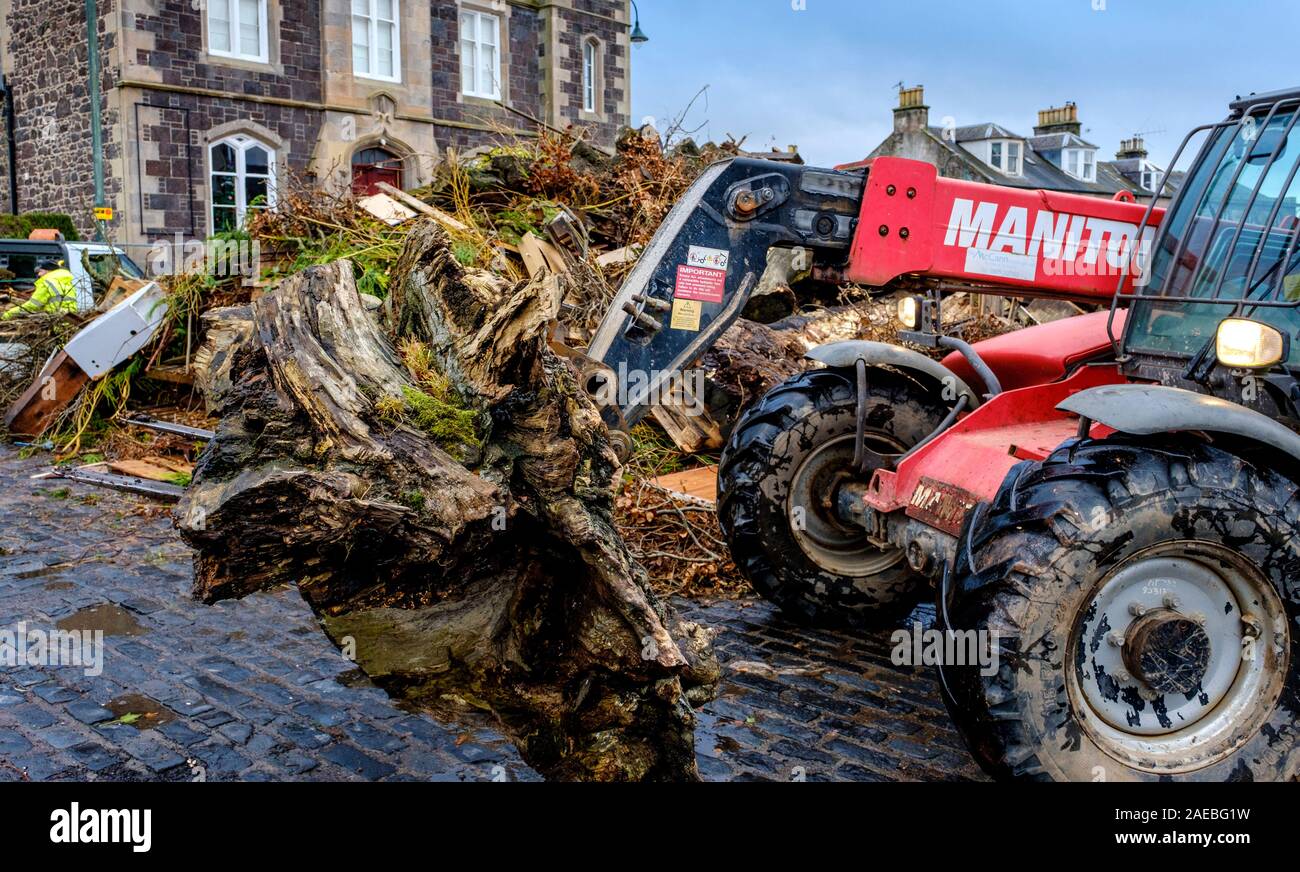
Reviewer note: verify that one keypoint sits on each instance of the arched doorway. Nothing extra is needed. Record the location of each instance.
(373, 165)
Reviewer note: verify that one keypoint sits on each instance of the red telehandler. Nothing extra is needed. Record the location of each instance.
(1110, 502)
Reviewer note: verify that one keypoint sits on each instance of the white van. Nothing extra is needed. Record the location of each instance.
(18, 258)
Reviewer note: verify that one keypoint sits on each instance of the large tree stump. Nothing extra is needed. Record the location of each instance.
(495, 579)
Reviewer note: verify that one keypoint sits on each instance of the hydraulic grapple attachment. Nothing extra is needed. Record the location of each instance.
(693, 279)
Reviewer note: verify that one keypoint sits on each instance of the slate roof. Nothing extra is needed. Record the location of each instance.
(1057, 141)
(1036, 170)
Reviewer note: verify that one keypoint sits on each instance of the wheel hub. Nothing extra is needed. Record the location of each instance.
(1168, 652)
(828, 541)
(1180, 654)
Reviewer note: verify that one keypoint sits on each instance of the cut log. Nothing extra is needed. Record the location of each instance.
(489, 575)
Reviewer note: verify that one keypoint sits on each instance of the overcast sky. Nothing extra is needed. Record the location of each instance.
(823, 77)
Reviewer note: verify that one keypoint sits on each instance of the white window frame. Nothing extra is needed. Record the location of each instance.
(1070, 162)
(1152, 172)
(472, 89)
(1006, 148)
(232, 10)
(590, 57)
(241, 143)
(1081, 163)
(372, 21)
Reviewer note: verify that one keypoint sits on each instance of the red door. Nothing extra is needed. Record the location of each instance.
(370, 166)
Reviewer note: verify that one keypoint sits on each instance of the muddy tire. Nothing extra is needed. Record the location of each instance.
(775, 481)
(1141, 598)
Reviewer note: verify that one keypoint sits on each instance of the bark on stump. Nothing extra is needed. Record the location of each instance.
(496, 580)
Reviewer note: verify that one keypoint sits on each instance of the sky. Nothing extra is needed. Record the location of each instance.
(823, 74)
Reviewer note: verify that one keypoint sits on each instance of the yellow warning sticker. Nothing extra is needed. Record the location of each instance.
(686, 315)
(103, 213)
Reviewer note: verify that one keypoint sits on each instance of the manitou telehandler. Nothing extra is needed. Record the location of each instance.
(1111, 499)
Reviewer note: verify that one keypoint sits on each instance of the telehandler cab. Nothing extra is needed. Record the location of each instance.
(1110, 500)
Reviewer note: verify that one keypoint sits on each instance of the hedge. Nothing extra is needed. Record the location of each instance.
(19, 226)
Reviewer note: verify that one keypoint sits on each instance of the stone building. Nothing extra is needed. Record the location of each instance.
(1055, 158)
(209, 105)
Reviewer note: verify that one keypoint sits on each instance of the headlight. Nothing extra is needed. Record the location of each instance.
(1248, 344)
(909, 312)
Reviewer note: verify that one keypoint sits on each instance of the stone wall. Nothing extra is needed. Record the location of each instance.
(170, 134)
(171, 112)
(163, 42)
(45, 58)
(605, 21)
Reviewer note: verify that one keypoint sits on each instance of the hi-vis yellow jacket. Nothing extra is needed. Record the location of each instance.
(55, 292)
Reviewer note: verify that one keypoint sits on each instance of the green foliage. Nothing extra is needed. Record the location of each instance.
(653, 453)
(20, 226)
(434, 406)
(530, 217)
(370, 263)
(443, 417)
(465, 252)
(413, 499)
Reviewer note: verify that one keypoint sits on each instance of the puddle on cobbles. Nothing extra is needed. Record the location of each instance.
(148, 712)
(112, 619)
(59, 585)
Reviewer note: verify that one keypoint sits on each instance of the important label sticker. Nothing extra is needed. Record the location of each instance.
(698, 283)
(686, 315)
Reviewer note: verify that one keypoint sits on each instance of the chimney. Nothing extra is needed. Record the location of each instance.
(912, 114)
(1131, 148)
(1059, 119)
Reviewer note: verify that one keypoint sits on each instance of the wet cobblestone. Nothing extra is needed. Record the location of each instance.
(256, 692)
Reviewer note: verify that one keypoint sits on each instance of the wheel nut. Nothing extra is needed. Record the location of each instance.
(1253, 626)
(1198, 617)
(1171, 601)
(1137, 610)
(1123, 677)
(1116, 638)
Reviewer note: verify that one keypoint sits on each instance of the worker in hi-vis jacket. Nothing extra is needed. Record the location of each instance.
(55, 292)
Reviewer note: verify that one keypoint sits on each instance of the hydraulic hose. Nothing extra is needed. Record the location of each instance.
(977, 363)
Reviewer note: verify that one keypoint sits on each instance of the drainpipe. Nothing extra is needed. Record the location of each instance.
(12, 138)
(96, 136)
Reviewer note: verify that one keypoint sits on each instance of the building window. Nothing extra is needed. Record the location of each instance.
(1150, 177)
(243, 178)
(237, 29)
(589, 76)
(1005, 156)
(376, 51)
(1081, 163)
(480, 55)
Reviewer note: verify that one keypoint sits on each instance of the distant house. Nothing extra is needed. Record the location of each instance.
(1143, 176)
(1055, 158)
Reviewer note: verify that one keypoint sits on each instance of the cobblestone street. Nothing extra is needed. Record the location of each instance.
(253, 690)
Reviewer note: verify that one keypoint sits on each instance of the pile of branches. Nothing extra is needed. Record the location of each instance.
(25, 344)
